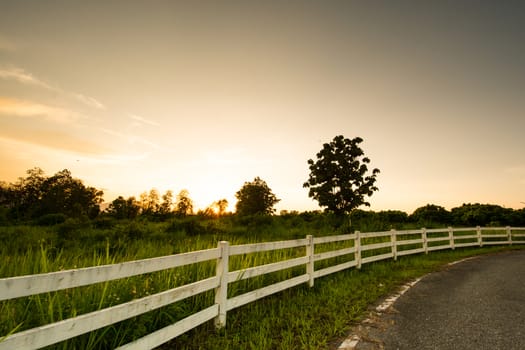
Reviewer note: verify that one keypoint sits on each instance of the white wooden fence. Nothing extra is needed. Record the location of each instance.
(367, 247)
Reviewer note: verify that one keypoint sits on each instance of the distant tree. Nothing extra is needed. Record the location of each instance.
(338, 178)
(6, 195)
(216, 209)
(37, 195)
(482, 214)
(5, 202)
(392, 217)
(519, 217)
(209, 212)
(166, 207)
(184, 204)
(27, 194)
(62, 193)
(221, 205)
(431, 214)
(121, 208)
(255, 198)
(149, 202)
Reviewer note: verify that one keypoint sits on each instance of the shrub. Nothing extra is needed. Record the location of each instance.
(50, 219)
(255, 221)
(193, 226)
(135, 230)
(104, 222)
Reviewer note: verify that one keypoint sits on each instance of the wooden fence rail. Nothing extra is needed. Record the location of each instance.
(365, 247)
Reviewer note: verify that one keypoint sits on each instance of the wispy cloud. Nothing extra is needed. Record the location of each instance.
(21, 108)
(142, 120)
(24, 77)
(53, 140)
(131, 139)
(90, 101)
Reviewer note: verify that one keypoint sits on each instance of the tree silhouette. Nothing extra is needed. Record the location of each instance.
(431, 214)
(37, 195)
(221, 205)
(121, 208)
(216, 209)
(166, 206)
(184, 205)
(255, 198)
(338, 178)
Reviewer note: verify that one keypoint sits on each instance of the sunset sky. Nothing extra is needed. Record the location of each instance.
(205, 95)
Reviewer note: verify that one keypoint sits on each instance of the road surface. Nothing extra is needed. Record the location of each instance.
(475, 304)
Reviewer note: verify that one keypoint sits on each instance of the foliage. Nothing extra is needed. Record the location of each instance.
(299, 317)
(255, 198)
(184, 205)
(216, 209)
(149, 202)
(37, 195)
(166, 206)
(430, 215)
(338, 178)
(193, 226)
(121, 208)
(484, 214)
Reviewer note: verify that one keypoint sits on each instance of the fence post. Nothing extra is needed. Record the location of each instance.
(451, 237)
(509, 235)
(393, 240)
(310, 254)
(357, 245)
(425, 239)
(221, 292)
(480, 238)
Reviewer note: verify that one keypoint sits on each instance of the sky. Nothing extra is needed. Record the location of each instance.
(206, 95)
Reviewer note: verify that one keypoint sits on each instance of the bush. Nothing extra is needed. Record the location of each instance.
(51, 219)
(255, 221)
(3, 216)
(190, 226)
(135, 230)
(104, 222)
(70, 226)
(194, 226)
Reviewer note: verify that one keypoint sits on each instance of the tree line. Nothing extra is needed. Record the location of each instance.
(339, 181)
(53, 199)
(432, 215)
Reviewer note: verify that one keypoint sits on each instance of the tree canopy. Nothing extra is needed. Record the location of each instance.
(184, 205)
(37, 195)
(255, 198)
(339, 178)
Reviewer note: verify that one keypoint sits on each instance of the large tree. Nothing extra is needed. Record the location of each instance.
(37, 195)
(339, 179)
(255, 198)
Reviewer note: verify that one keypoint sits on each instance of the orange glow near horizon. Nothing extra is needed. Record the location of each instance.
(256, 89)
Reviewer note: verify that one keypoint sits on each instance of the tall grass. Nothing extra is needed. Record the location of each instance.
(299, 318)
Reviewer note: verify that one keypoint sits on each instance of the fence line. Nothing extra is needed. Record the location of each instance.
(367, 247)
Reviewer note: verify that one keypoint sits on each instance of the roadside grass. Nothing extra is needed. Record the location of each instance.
(315, 318)
(298, 318)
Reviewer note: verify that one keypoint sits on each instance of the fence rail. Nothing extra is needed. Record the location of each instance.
(366, 247)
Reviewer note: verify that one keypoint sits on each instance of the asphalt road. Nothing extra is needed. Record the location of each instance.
(475, 304)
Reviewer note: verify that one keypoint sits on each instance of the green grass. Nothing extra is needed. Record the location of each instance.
(313, 318)
(298, 318)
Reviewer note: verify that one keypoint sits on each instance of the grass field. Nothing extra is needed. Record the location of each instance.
(298, 318)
